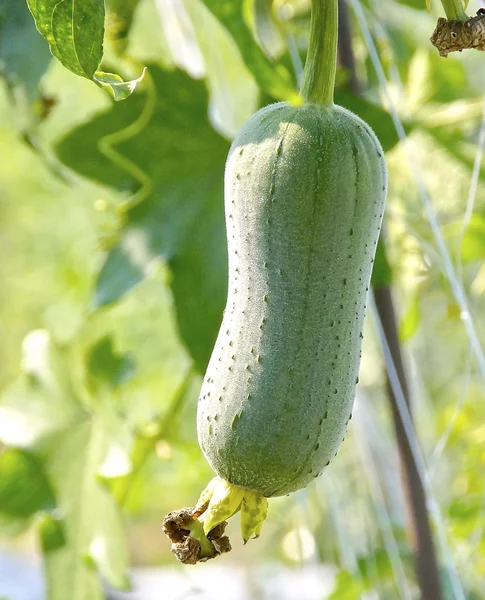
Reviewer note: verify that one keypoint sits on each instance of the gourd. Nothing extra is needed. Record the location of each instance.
(304, 198)
(305, 188)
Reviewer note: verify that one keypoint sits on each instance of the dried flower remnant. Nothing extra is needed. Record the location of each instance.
(455, 36)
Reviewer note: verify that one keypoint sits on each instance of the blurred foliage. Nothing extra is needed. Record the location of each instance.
(114, 280)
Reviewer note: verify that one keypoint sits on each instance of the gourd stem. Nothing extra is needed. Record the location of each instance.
(454, 10)
(321, 63)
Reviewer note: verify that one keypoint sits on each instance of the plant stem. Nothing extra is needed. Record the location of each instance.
(454, 10)
(321, 63)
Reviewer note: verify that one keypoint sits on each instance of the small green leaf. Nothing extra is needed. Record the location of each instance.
(24, 488)
(119, 89)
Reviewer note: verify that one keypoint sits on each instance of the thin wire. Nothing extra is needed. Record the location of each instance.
(417, 455)
(382, 513)
(456, 286)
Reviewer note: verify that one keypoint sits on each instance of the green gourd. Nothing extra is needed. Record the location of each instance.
(305, 189)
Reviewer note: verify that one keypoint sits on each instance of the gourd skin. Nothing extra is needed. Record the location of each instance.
(305, 190)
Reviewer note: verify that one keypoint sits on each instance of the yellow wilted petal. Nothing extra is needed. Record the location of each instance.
(206, 495)
(428, 5)
(225, 501)
(254, 510)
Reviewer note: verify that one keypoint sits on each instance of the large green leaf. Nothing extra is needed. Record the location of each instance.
(24, 55)
(182, 221)
(272, 77)
(75, 32)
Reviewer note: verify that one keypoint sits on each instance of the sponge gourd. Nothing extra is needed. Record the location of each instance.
(305, 189)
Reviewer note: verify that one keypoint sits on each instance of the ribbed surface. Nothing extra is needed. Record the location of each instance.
(305, 190)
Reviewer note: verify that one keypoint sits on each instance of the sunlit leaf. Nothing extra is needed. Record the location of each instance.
(273, 78)
(269, 36)
(234, 95)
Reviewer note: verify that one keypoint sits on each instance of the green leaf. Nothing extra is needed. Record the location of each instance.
(75, 32)
(24, 55)
(272, 77)
(24, 488)
(182, 222)
(234, 95)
